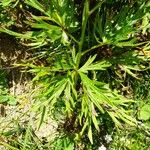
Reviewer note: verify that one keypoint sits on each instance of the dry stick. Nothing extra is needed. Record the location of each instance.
(7, 68)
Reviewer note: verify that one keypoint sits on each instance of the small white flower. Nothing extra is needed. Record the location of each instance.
(118, 28)
(129, 35)
(108, 138)
(102, 148)
(131, 16)
(112, 21)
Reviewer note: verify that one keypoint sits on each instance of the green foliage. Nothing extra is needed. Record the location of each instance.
(6, 7)
(133, 139)
(5, 97)
(144, 112)
(83, 43)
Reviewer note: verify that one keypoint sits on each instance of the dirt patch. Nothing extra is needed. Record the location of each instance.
(12, 52)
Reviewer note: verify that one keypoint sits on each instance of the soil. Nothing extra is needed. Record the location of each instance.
(19, 86)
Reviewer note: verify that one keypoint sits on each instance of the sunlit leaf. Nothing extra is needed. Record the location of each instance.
(89, 65)
(90, 135)
(145, 112)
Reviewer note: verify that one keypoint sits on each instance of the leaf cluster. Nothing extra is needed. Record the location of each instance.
(81, 44)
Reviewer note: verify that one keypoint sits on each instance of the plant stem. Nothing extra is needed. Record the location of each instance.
(84, 23)
(96, 7)
(93, 47)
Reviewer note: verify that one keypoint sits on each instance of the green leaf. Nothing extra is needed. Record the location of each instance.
(35, 4)
(95, 122)
(4, 98)
(106, 100)
(53, 32)
(145, 112)
(42, 117)
(102, 65)
(69, 102)
(130, 43)
(115, 120)
(8, 146)
(43, 25)
(27, 35)
(130, 72)
(121, 114)
(93, 92)
(59, 87)
(6, 2)
(90, 134)
(12, 100)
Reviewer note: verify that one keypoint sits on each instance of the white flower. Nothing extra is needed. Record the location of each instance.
(102, 148)
(112, 21)
(131, 16)
(108, 138)
(118, 27)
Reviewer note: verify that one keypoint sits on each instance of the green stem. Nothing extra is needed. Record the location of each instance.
(81, 42)
(84, 23)
(93, 47)
(96, 7)
(73, 38)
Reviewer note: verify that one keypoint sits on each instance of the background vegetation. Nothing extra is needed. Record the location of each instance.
(82, 64)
